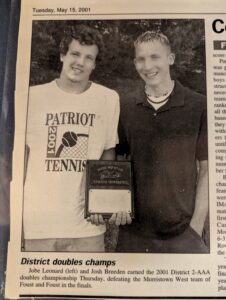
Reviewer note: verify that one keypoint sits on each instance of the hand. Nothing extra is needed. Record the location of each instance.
(121, 218)
(96, 219)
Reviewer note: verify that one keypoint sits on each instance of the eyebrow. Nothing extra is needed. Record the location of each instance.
(151, 55)
(79, 52)
(90, 56)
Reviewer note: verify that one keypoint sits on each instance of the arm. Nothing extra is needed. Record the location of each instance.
(108, 154)
(120, 218)
(122, 153)
(201, 200)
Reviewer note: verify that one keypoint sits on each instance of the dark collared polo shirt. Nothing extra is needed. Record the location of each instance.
(164, 146)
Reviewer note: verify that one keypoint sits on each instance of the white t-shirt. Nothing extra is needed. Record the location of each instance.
(63, 131)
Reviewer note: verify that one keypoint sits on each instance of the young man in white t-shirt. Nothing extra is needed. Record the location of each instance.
(70, 120)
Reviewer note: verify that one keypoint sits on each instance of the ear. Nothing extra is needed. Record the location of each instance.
(135, 62)
(171, 58)
(61, 57)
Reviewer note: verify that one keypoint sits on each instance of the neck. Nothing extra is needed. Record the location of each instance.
(73, 86)
(158, 91)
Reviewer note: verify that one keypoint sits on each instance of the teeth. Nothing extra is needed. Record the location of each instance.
(77, 70)
(151, 74)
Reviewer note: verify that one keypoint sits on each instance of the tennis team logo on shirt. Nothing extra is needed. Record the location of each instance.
(72, 145)
(67, 144)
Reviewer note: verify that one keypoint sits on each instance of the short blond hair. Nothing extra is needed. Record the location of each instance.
(151, 36)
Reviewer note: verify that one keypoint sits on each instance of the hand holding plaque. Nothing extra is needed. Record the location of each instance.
(108, 188)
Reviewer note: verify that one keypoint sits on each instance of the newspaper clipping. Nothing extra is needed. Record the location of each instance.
(136, 90)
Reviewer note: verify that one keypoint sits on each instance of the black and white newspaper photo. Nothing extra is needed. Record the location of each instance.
(119, 161)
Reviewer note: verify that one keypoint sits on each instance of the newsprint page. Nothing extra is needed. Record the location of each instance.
(119, 161)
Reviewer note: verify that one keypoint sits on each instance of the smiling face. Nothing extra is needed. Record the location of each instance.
(78, 63)
(152, 62)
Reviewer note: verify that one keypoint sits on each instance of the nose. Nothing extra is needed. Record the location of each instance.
(80, 60)
(148, 64)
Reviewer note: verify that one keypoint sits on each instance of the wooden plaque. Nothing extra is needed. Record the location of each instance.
(108, 188)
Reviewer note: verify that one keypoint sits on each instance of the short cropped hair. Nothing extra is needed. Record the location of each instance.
(82, 33)
(151, 36)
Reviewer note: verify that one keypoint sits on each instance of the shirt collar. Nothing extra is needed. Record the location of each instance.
(176, 98)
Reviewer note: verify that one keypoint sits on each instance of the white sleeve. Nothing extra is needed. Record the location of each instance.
(112, 118)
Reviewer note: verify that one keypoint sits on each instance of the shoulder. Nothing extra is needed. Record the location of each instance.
(39, 93)
(105, 91)
(130, 99)
(191, 99)
(107, 98)
(193, 96)
(41, 87)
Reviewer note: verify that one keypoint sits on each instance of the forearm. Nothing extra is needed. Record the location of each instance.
(201, 201)
(108, 154)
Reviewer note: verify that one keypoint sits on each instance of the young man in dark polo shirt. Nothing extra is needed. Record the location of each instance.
(163, 127)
